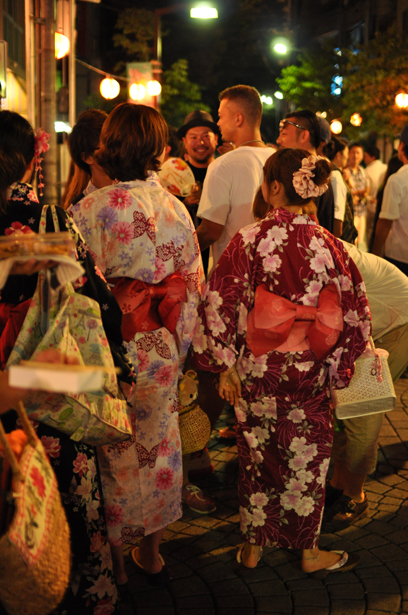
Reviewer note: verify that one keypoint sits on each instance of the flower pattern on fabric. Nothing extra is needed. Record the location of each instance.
(284, 417)
(137, 230)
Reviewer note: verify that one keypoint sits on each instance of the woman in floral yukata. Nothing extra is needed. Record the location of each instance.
(144, 242)
(93, 590)
(284, 313)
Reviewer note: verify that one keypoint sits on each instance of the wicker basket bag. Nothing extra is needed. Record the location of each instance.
(195, 426)
(35, 556)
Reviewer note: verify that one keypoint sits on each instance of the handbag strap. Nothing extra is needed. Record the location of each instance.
(43, 221)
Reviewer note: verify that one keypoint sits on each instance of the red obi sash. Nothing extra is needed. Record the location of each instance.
(147, 307)
(11, 320)
(275, 323)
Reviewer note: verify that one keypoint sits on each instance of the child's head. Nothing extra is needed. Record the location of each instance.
(302, 175)
(17, 148)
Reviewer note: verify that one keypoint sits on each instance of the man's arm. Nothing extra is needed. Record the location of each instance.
(338, 228)
(208, 232)
(381, 233)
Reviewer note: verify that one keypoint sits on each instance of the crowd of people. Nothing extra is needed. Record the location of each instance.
(285, 304)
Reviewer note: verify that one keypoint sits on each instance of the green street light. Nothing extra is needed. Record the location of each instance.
(279, 95)
(203, 11)
(280, 48)
(281, 45)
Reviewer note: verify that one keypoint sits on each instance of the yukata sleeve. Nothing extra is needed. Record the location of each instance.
(223, 312)
(193, 275)
(357, 326)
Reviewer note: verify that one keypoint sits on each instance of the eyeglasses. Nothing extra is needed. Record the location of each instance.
(283, 122)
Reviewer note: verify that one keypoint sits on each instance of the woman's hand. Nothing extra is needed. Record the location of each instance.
(230, 386)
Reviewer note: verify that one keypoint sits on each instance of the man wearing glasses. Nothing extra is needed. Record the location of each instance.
(301, 129)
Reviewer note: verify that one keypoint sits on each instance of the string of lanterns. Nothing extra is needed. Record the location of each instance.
(110, 88)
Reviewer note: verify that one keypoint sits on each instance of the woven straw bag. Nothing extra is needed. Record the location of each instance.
(195, 429)
(371, 389)
(35, 554)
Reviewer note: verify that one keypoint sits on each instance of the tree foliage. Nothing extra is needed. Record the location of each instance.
(179, 95)
(308, 85)
(373, 76)
(135, 33)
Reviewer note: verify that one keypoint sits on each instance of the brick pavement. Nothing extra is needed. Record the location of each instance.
(206, 579)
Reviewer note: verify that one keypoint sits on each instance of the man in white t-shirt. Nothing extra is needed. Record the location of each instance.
(355, 456)
(233, 179)
(391, 231)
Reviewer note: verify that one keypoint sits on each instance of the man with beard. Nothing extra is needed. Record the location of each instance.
(199, 134)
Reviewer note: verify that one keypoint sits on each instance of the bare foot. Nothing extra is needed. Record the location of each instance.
(324, 559)
(250, 555)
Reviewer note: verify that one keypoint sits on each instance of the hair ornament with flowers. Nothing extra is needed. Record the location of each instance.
(303, 179)
(41, 145)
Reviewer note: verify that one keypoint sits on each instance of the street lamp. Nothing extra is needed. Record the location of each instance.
(336, 127)
(401, 100)
(281, 45)
(279, 95)
(356, 119)
(203, 12)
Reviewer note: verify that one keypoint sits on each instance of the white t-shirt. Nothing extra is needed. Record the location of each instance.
(387, 290)
(395, 207)
(375, 173)
(339, 193)
(228, 192)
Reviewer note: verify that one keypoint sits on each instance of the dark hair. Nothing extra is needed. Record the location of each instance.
(260, 207)
(333, 147)
(85, 136)
(373, 151)
(356, 144)
(17, 145)
(132, 138)
(247, 97)
(310, 121)
(394, 164)
(174, 142)
(286, 161)
(76, 183)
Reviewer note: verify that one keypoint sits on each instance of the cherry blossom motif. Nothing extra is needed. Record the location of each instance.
(119, 198)
(271, 263)
(199, 339)
(251, 439)
(259, 499)
(114, 514)
(352, 318)
(249, 233)
(51, 446)
(365, 327)
(41, 145)
(123, 232)
(305, 476)
(160, 272)
(214, 321)
(103, 585)
(212, 297)
(304, 506)
(323, 467)
(258, 517)
(261, 434)
(240, 414)
(38, 481)
(259, 365)
(245, 518)
(345, 282)
(242, 319)
(290, 499)
(305, 366)
(164, 478)
(297, 415)
(85, 488)
(266, 246)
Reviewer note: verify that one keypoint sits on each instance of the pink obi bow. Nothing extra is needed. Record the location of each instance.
(275, 323)
(147, 307)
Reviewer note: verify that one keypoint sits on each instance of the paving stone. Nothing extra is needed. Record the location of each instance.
(158, 596)
(389, 553)
(288, 572)
(229, 587)
(374, 497)
(277, 604)
(306, 583)
(402, 483)
(236, 601)
(372, 540)
(347, 607)
(216, 572)
(386, 508)
(347, 591)
(383, 602)
(159, 610)
(193, 587)
(380, 528)
(398, 565)
(179, 571)
(274, 587)
(377, 487)
(399, 537)
(309, 610)
(192, 602)
(310, 598)
(392, 501)
(367, 558)
(341, 578)
(384, 584)
(204, 521)
(252, 576)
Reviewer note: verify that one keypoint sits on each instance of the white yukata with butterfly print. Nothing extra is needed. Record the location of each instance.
(138, 230)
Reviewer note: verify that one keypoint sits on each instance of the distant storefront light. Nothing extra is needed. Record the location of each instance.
(356, 119)
(109, 88)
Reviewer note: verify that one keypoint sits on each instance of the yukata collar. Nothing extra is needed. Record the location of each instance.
(20, 191)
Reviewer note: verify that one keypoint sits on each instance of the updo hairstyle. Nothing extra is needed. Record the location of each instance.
(333, 147)
(16, 151)
(132, 139)
(284, 163)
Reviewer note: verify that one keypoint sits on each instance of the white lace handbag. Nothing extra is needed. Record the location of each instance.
(371, 389)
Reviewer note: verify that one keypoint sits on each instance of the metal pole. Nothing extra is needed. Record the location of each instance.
(48, 111)
(30, 58)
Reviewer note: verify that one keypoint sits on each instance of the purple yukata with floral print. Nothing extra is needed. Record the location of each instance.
(137, 230)
(284, 418)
